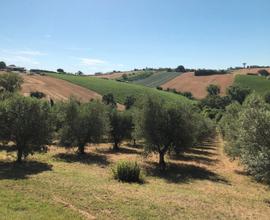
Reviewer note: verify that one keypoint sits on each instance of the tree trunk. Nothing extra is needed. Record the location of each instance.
(134, 142)
(115, 146)
(19, 155)
(81, 149)
(162, 163)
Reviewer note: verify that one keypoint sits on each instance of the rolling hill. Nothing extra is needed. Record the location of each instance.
(119, 89)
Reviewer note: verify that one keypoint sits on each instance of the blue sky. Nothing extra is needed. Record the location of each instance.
(105, 35)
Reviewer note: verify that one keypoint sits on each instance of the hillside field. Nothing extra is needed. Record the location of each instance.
(157, 78)
(201, 184)
(119, 89)
(257, 83)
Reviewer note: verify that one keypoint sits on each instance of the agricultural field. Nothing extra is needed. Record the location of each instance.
(188, 82)
(201, 184)
(120, 90)
(158, 78)
(259, 84)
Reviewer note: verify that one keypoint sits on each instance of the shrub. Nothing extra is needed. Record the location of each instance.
(37, 94)
(237, 93)
(2, 65)
(108, 99)
(10, 82)
(127, 171)
(213, 89)
(129, 102)
(60, 70)
(180, 69)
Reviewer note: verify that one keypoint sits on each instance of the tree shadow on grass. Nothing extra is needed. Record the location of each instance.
(87, 158)
(8, 148)
(200, 151)
(13, 170)
(122, 150)
(182, 173)
(194, 158)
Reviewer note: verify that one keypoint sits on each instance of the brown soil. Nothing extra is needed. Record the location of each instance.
(187, 82)
(56, 89)
(110, 76)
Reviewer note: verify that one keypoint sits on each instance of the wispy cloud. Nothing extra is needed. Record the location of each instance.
(92, 62)
(21, 57)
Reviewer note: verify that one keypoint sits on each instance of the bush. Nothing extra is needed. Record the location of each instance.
(10, 82)
(127, 171)
(37, 94)
(263, 72)
(213, 89)
(204, 72)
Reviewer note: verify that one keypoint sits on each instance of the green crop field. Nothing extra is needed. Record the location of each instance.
(157, 78)
(257, 83)
(120, 90)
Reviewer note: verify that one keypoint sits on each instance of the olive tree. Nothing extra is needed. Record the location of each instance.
(82, 124)
(120, 128)
(166, 127)
(27, 123)
(237, 93)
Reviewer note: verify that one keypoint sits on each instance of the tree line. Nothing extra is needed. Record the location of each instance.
(32, 124)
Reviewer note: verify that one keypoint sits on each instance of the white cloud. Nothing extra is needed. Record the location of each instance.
(21, 57)
(92, 62)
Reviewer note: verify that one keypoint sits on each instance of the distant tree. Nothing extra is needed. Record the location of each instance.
(2, 65)
(10, 82)
(189, 95)
(129, 102)
(60, 70)
(79, 73)
(28, 124)
(37, 94)
(121, 127)
(125, 76)
(237, 93)
(213, 89)
(108, 99)
(244, 65)
(159, 88)
(180, 69)
(82, 124)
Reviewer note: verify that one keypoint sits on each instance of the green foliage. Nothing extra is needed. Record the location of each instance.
(60, 70)
(205, 72)
(180, 69)
(267, 97)
(246, 131)
(120, 90)
(26, 122)
(213, 89)
(10, 82)
(108, 99)
(238, 93)
(127, 171)
(82, 124)
(2, 65)
(129, 102)
(167, 127)
(37, 94)
(121, 127)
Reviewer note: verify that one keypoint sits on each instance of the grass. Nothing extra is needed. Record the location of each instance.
(120, 90)
(257, 83)
(200, 184)
(157, 78)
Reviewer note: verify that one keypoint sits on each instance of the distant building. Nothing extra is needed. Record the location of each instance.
(15, 68)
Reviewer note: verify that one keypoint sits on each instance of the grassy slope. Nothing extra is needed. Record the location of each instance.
(202, 185)
(157, 79)
(256, 83)
(119, 89)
